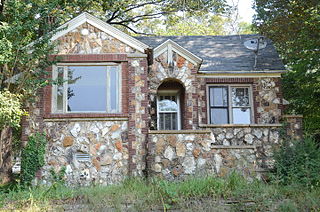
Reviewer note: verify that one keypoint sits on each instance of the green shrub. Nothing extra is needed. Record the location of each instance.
(298, 162)
(10, 109)
(32, 157)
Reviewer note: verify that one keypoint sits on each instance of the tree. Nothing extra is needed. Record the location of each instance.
(182, 25)
(294, 26)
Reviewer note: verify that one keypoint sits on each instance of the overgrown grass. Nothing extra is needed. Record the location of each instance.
(233, 193)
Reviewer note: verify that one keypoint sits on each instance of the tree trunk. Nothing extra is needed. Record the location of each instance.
(5, 155)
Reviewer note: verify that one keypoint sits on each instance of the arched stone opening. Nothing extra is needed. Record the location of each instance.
(170, 105)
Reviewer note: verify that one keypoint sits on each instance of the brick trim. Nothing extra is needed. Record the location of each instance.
(90, 58)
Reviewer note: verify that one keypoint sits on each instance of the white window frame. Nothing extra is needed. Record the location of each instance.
(65, 87)
(229, 87)
(169, 93)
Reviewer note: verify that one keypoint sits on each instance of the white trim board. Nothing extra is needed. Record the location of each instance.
(170, 45)
(103, 26)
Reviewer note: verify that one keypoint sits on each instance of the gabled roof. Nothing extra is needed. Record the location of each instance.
(170, 45)
(223, 53)
(103, 26)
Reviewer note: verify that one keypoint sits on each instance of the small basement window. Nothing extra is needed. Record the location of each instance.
(91, 88)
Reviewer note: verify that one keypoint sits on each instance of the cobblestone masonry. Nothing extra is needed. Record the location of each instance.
(216, 151)
(92, 151)
(95, 42)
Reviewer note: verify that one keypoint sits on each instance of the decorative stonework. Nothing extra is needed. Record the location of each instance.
(268, 100)
(94, 42)
(183, 71)
(138, 116)
(176, 156)
(91, 151)
(246, 150)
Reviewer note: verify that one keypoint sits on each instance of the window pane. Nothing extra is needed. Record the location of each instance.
(174, 121)
(219, 116)
(87, 88)
(167, 105)
(218, 96)
(59, 91)
(240, 96)
(161, 121)
(114, 89)
(168, 121)
(241, 115)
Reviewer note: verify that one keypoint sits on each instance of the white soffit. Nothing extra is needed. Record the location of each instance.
(103, 26)
(170, 46)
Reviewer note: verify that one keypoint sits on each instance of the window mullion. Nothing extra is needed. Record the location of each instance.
(108, 108)
(230, 105)
(54, 88)
(65, 89)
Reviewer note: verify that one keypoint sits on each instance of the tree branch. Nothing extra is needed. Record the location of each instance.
(131, 7)
(139, 18)
(134, 31)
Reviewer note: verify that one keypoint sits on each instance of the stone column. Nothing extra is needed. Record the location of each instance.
(294, 126)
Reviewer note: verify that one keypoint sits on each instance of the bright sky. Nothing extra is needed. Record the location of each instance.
(245, 9)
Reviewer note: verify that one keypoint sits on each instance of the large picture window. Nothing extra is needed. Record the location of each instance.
(230, 105)
(86, 88)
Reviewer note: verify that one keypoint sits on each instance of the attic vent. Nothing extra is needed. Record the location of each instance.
(82, 157)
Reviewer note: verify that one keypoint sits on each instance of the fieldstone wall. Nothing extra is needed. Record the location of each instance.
(94, 42)
(214, 151)
(268, 100)
(91, 151)
(294, 126)
(183, 71)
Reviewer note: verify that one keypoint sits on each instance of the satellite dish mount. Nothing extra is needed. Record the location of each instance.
(255, 44)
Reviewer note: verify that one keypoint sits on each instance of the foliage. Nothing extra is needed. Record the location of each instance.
(58, 177)
(294, 26)
(23, 66)
(206, 24)
(298, 162)
(32, 157)
(10, 109)
(232, 193)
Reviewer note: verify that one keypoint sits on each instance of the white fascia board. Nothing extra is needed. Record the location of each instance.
(240, 74)
(103, 26)
(179, 49)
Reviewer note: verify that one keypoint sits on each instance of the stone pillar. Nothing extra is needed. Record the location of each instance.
(294, 126)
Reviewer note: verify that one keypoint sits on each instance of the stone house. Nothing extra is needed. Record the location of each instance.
(157, 106)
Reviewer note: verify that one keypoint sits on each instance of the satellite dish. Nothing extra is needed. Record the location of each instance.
(255, 44)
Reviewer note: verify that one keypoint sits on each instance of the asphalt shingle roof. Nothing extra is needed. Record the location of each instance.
(223, 53)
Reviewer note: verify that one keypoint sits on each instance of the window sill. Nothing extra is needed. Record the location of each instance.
(179, 131)
(85, 116)
(240, 125)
